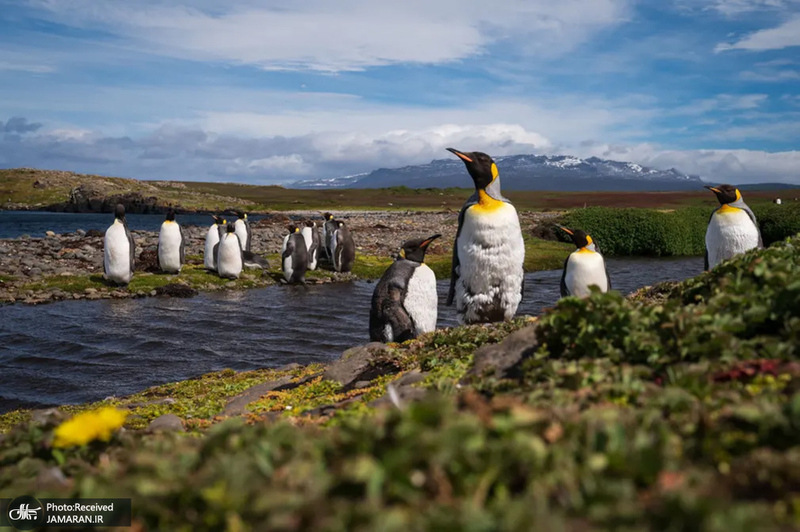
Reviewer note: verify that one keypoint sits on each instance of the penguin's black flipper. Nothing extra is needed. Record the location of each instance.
(705, 263)
(289, 249)
(455, 266)
(608, 278)
(183, 239)
(564, 289)
(132, 245)
(752, 216)
(216, 255)
(249, 235)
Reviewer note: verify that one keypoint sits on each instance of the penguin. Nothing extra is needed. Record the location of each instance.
(228, 255)
(488, 254)
(254, 262)
(119, 250)
(328, 227)
(294, 256)
(311, 237)
(405, 301)
(343, 249)
(584, 267)
(732, 227)
(170, 245)
(243, 230)
(212, 239)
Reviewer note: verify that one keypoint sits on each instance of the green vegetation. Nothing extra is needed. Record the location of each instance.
(681, 413)
(651, 232)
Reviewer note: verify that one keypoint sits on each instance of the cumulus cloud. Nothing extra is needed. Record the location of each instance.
(783, 36)
(18, 124)
(343, 35)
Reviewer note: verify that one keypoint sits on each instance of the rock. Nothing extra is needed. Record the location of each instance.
(50, 234)
(147, 261)
(502, 360)
(230, 284)
(405, 394)
(153, 292)
(35, 272)
(90, 290)
(412, 377)
(362, 384)
(362, 363)
(81, 232)
(238, 404)
(176, 290)
(166, 423)
(289, 367)
(92, 233)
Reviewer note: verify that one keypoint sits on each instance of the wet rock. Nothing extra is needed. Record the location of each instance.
(166, 423)
(92, 233)
(50, 234)
(81, 232)
(503, 360)
(362, 363)
(176, 290)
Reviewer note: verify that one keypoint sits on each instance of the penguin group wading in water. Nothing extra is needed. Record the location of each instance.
(732, 227)
(486, 281)
(119, 250)
(170, 245)
(584, 267)
(404, 303)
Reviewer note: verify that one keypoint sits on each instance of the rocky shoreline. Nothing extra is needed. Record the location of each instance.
(56, 267)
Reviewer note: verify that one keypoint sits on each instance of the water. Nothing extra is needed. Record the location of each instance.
(35, 223)
(78, 351)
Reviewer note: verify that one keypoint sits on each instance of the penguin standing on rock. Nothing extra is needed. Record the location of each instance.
(170, 245)
(228, 255)
(294, 256)
(243, 230)
(404, 303)
(732, 227)
(311, 237)
(328, 227)
(343, 248)
(119, 250)
(487, 272)
(212, 239)
(584, 267)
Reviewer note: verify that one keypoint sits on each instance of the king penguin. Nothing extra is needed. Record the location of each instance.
(404, 303)
(488, 254)
(732, 227)
(228, 255)
(119, 250)
(170, 245)
(311, 236)
(294, 256)
(328, 227)
(243, 230)
(584, 267)
(343, 248)
(212, 239)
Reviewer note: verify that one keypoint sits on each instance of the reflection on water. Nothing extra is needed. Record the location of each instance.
(76, 351)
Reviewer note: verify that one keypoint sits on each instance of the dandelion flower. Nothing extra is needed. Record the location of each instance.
(89, 426)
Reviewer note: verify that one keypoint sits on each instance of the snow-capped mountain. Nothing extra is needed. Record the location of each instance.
(522, 172)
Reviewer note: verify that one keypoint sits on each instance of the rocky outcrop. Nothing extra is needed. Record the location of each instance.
(89, 198)
(362, 363)
(503, 360)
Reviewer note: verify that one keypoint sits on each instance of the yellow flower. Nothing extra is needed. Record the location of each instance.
(89, 426)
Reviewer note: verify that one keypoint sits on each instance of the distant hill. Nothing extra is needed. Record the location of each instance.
(522, 172)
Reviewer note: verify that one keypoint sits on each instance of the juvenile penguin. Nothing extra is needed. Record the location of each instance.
(118, 250)
(170, 245)
(294, 256)
(243, 230)
(311, 236)
(343, 248)
(228, 255)
(488, 254)
(584, 267)
(404, 303)
(732, 227)
(212, 239)
(328, 227)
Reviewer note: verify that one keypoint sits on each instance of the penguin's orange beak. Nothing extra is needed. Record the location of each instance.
(712, 189)
(463, 156)
(564, 229)
(425, 243)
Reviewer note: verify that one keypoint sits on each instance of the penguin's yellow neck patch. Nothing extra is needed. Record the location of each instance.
(486, 203)
(585, 250)
(727, 209)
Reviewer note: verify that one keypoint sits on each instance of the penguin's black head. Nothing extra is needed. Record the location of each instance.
(725, 193)
(579, 238)
(340, 224)
(415, 249)
(310, 223)
(231, 228)
(171, 215)
(241, 215)
(328, 216)
(293, 229)
(119, 212)
(480, 166)
(217, 219)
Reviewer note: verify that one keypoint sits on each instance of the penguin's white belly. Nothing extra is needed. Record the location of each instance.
(212, 239)
(306, 232)
(491, 252)
(421, 299)
(729, 234)
(337, 264)
(287, 262)
(117, 254)
(583, 270)
(241, 232)
(230, 257)
(169, 247)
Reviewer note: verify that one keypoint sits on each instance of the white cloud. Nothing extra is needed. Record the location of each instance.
(783, 36)
(343, 35)
(722, 102)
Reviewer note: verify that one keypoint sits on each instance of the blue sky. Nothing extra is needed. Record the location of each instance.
(277, 90)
